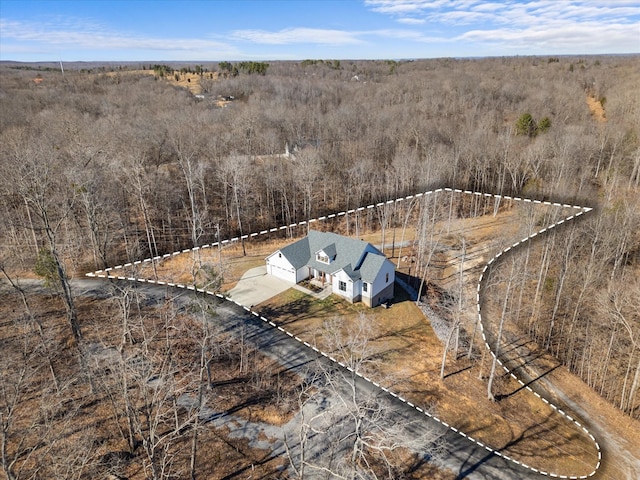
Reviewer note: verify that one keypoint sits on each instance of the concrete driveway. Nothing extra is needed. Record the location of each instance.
(256, 287)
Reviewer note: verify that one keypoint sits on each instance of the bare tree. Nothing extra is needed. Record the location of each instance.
(457, 311)
(185, 139)
(35, 323)
(429, 235)
(14, 387)
(36, 175)
(506, 300)
(361, 431)
(233, 174)
(623, 305)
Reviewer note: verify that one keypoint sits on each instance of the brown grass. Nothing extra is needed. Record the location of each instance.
(190, 81)
(181, 268)
(410, 354)
(409, 357)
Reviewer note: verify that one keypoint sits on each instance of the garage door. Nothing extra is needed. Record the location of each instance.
(284, 273)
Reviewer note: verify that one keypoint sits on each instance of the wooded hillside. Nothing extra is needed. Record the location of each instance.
(104, 168)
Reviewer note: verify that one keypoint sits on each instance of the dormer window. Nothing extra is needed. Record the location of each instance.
(322, 258)
(326, 255)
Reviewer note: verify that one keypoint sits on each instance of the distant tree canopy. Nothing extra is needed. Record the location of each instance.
(162, 70)
(244, 67)
(253, 67)
(121, 168)
(527, 125)
(334, 64)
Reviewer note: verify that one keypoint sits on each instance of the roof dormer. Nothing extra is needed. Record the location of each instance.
(327, 254)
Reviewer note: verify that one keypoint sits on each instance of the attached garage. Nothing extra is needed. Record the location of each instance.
(280, 267)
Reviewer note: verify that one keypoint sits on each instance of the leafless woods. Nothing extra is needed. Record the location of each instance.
(102, 168)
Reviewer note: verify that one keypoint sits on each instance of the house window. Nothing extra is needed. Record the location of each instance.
(342, 286)
(387, 279)
(365, 287)
(322, 258)
(279, 255)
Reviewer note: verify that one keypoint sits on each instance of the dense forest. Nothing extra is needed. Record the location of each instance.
(99, 168)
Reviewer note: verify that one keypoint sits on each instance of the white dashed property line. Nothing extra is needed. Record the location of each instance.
(582, 211)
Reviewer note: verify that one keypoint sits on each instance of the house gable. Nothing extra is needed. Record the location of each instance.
(297, 253)
(342, 250)
(279, 266)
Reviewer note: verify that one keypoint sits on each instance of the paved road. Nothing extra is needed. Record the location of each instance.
(466, 459)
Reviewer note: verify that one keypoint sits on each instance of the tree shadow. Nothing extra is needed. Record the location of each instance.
(532, 443)
(460, 370)
(525, 385)
(242, 471)
(475, 466)
(291, 312)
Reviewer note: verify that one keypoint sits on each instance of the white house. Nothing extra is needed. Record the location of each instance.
(356, 270)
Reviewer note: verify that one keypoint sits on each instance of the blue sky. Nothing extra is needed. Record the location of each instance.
(213, 30)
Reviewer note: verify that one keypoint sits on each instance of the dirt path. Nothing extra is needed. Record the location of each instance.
(459, 454)
(621, 456)
(613, 430)
(596, 109)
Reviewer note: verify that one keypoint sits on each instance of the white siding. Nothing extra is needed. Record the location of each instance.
(302, 274)
(340, 276)
(279, 266)
(380, 282)
(366, 294)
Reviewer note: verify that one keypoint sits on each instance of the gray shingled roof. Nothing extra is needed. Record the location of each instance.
(297, 253)
(348, 252)
(370, 267)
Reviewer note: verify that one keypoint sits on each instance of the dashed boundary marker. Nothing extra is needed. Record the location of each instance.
(106, 273)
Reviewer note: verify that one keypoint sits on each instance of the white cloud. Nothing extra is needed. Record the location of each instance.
(527, 12)
(464, 18)
(299, 35)
(411, 21)
(87, 36)
(552, 25)
(403, 35)
(584, 38)
(487, 7)
(394, 7)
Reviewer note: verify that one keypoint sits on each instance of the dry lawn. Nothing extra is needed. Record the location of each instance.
(190, 81)
(183, 268)
(408, 358)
